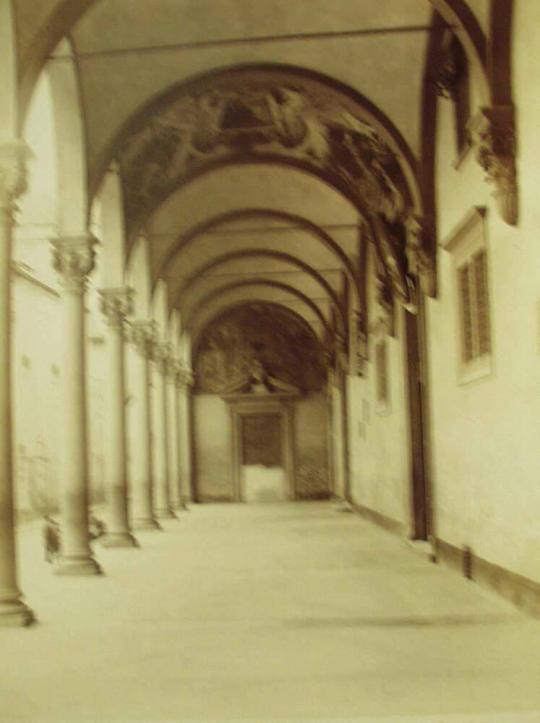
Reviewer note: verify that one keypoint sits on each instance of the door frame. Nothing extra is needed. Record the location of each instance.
(244, 406)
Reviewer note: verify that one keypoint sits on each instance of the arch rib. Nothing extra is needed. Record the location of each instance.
(232, 256)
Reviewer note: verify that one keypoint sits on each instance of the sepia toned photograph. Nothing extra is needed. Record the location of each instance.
(269, 361)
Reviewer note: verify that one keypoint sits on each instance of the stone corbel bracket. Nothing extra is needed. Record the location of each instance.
(420, 259)
(494, 136)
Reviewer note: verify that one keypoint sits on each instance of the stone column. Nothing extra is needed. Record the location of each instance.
(142, 336)
(185, 434)
(163, 507)
(13, 611)
(174, 458)
(182, 379)
(116, 304)
(74, 260)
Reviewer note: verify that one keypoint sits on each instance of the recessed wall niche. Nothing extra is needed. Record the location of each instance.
(273, 335)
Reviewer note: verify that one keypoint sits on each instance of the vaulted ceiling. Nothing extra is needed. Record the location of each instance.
(270, 127)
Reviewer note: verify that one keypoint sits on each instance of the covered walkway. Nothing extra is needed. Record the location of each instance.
(289, 611)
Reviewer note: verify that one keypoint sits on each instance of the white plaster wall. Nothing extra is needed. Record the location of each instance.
(37, 396)
(486, 466)
(37, 331)
(378, 438)
(213, 448)
(311, 445)
(337, 432)
(36, 384)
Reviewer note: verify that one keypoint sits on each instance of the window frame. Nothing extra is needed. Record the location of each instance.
(466, 244)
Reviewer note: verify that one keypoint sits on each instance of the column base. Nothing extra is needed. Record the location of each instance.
(166, 514)
(15, 614)
(73, 566)
(182, 506)
(146, 523)
(118, 539)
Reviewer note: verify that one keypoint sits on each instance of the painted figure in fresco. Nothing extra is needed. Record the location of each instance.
(260, 117)
(227, 350)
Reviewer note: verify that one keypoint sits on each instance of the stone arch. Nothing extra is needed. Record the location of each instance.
(218, 261)
(459, 15)
(388, 244)
(160, 308)
(350, 99)
(303, 223)
(138, 277)
(73, 202)
(224, 310)
(216, 293)
(67, 13)
(58, 25)
(108, 203)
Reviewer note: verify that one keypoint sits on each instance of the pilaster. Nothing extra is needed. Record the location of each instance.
(116, 305)
(162, 357)
(73, 259)
(143, 335)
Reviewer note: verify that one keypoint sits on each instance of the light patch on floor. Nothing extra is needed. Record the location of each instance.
(280, 612)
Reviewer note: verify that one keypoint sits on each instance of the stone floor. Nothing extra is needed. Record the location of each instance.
(266, 613)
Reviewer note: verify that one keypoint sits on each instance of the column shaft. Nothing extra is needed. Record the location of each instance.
(142, 481)
(13, 611)
(74, 260)
(161, 438)
(185, 443)
(115, 305)
(174, 469)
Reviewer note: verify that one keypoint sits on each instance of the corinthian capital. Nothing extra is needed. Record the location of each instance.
(184, 377)
(163, 356)
(116, 305)
(13, 157)
(493, 133)
(143, 335)
(73, 258)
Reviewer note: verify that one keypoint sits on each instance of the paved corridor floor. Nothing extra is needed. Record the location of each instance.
(266, 613)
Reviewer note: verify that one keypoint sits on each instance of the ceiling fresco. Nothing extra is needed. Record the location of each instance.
(261, 333)
(242, 115)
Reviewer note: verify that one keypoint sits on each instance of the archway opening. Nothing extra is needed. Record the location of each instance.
(259, 407)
